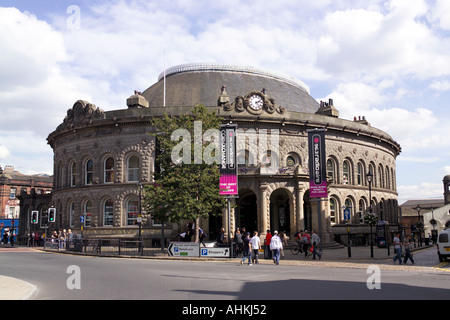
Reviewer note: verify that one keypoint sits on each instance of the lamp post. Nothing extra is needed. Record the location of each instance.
(139, 219)
(419, 229)
(369, 177)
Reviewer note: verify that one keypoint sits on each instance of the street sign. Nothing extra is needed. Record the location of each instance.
(183, 249)
(81, 219)
(221, 252)
(347, 214)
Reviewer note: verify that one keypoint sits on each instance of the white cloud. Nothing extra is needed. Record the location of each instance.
(423, 190)
(4, 152)
(440, 14)
(440, 85)
(362, 43)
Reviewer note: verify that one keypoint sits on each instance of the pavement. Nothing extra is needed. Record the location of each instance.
(16, 289)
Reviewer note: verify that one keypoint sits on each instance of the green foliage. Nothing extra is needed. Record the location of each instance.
(370, 218)
(184, 191)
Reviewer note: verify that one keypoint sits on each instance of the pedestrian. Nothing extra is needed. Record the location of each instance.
(397, 249)
(315, 240)
(276, 245)
(267, 250)
(408, 254)
(256, 243)
(239, 241)
(305, 240)
(32, 239)
(247, 247)
(201, 237)
(220, 237)
(283, 239)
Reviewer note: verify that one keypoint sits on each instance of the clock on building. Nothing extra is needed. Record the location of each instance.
(256, 102)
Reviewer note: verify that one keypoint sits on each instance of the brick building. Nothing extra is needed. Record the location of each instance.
(13, 184)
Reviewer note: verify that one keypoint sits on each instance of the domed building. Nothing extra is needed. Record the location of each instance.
(102, 158)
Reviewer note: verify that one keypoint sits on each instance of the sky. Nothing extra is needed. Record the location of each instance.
(387, 60)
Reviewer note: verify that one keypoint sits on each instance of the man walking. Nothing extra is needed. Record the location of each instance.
(315, 240)
(275, 246)
(256, 243)
(247, 247)
(397, 249)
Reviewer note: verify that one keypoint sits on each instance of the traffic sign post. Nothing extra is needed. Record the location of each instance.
(347, 219)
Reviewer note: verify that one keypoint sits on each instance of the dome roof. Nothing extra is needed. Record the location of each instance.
(195, 83)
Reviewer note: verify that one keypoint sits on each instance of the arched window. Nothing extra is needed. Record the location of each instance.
(346, 173)
(89, 172)
(73, 173)
(132, 211)
(109, 170)
(108, 212)
(374, 178)
(71, 213)
(133, 169)
(333, 208)
(360, 175)
(361, 210)
(388, 179)
(87, 211)
(331, 170)
(380, 176)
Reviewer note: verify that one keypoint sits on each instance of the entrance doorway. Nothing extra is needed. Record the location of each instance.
(307, 213)
(280, 211)
(247, 213)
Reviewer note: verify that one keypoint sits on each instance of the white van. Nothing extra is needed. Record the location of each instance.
(443, 245)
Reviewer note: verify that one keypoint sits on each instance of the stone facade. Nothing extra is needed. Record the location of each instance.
(101, 159)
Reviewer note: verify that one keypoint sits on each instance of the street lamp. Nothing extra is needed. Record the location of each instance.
(369, 177)
(419, 231)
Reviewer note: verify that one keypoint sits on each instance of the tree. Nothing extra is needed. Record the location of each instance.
(186, 179)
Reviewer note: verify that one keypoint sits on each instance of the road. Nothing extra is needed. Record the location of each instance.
(57, 276)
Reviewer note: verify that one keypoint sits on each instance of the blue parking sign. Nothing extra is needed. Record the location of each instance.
(346, 214)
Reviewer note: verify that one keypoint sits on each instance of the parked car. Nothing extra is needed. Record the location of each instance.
(443, 245)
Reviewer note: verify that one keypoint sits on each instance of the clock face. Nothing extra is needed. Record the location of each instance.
(256, 102)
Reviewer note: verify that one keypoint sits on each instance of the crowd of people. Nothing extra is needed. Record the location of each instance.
(59, 239)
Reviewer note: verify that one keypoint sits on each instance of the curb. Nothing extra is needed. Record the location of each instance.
(15, 289)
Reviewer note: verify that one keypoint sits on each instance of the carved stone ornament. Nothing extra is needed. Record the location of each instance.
(256, 103)
(83, 112)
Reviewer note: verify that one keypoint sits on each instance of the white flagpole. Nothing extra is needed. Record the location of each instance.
(164, 78)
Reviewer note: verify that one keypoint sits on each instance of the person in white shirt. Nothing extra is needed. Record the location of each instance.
(275, 246)
(315, 240)
(397, 249)
(256, 243)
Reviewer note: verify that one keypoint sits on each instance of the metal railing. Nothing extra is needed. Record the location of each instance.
(114, 247)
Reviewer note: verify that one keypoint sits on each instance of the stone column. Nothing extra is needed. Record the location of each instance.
(299, 213)
(264, 216)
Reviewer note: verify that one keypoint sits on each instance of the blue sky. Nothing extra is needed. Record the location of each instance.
(385, 60)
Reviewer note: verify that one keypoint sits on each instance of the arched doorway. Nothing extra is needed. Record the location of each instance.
(280, 211)
(247, 212)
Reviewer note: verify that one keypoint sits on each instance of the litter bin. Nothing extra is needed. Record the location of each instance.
(427, 241)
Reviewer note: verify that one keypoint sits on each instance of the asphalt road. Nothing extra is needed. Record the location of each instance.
(61, 276)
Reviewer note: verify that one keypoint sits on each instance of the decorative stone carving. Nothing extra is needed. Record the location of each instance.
(82, 112)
